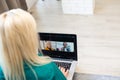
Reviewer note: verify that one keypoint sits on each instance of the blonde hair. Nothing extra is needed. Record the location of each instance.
(19, 44)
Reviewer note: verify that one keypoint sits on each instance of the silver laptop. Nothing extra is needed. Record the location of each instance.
(62, 48)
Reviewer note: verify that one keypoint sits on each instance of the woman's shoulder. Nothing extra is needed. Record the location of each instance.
(42, 71)
(50, 65)
(1, 74)
(52, 72)
(47, 67)
(1, 71)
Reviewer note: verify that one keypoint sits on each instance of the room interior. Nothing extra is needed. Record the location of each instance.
(96, 26)
(98, 34)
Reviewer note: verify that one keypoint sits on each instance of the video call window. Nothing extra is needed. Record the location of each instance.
(57, 46)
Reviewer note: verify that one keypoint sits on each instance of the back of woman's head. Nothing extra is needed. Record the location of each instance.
(19, 43)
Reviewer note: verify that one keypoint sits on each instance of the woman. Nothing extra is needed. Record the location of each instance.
(48, 46)
(19, 48)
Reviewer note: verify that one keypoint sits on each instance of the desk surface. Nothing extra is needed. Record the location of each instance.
(81, 76)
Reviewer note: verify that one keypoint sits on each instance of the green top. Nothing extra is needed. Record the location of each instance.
(45, 72)
(48, 71)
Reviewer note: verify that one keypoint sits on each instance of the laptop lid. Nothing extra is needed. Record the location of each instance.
(58, 45)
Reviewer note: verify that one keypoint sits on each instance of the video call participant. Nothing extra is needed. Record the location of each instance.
(65, 47)
(48, 46)
(19, 48)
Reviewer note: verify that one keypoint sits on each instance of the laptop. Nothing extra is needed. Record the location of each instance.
(62, 48)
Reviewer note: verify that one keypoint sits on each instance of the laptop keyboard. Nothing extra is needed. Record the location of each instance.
(63, 64)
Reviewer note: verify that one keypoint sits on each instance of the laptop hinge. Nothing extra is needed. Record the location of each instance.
(63, 59)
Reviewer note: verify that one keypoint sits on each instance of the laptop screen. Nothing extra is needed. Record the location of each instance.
(59, 45)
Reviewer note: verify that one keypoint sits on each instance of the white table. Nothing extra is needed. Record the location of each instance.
(84, 7)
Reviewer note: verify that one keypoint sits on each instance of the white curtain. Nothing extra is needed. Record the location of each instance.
(6, 5)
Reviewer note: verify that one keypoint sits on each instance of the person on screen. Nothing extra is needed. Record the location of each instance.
(48, 46)
(65, 47)
(19, 47)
